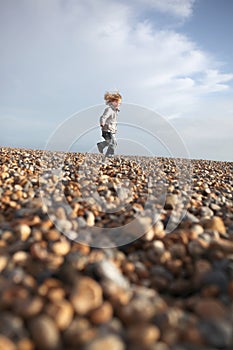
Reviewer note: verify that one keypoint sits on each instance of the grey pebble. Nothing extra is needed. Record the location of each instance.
(107, 271)
(217, 333)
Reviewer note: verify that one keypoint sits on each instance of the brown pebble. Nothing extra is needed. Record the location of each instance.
(128, 268)
(54, 261)
(61, 312)
(210, 291)
(86, 296)
(46, 225)
(216, 223)
(55, 294)
(24, 231)
(149, 235)
(20, 257)
(36, 235)
(174, 266)
(210, 308)
(138, 310)
(44, 333)
(222, 245)
(110, 341)
(80, 332)
(6, 343)
(117, 294)
(196, 248)
(102, 314)
(143, 335)
(84, 249)
(48, 285)
(3, 244)
(39, 251)
(158, 229)
(25, 344)
(193, 335)
(61, 248)
(3, 262)
(28, 307)
(177, 251)
(8, 236)
(52, 235)
(170, 336)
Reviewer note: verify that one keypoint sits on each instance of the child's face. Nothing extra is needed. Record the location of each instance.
(116, 103)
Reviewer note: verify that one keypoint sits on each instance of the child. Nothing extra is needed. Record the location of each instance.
(108, 123)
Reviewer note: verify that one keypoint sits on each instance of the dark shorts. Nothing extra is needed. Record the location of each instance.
(107, 135)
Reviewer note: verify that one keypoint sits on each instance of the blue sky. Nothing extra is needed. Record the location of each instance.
(173, 57)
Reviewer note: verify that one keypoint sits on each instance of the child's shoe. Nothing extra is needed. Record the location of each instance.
(100, 147)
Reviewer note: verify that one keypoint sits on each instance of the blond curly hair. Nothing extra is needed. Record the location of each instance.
(112, 96)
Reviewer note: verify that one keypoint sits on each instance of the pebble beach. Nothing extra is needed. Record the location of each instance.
(127, 253)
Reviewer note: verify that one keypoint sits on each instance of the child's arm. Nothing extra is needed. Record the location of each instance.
(104, 116)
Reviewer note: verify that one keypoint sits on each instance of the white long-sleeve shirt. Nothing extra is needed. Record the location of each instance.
(109, 119)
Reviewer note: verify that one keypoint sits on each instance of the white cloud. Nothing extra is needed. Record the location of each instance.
(215, 81)
(178, 8)
(76, 45)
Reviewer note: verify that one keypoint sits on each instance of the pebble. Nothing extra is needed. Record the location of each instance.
(196, 249)
(159, 346)
(6, 343)
(110, 341)
(198, 229)
(222, 245)
(215, 207)
(61, 247)
(215, 224)
(178, 251)
(61, 312)
(217, 278)
(206, 212)
(21, 257)
(3, 262)
(158, 229)
(209, 308)
(25, 344)
(158, 247)
(102, 314)
(64, 225)
(107, 271)
(28, 308)
(90, 218)
(86, 296)
(79, 333)
(143, 335)
(24, 231)
(217, 333)
(45, 333)
(131, 313)
(171, 201)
